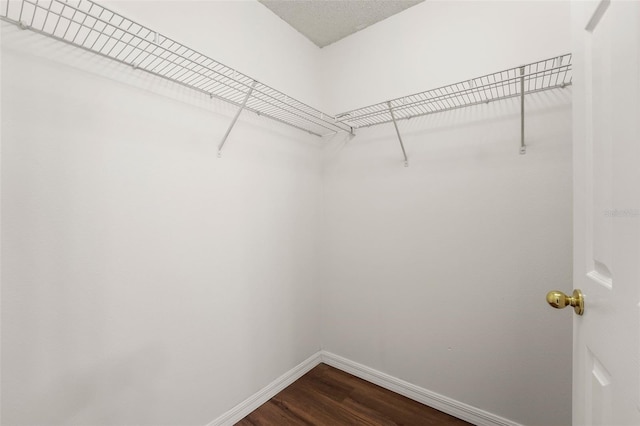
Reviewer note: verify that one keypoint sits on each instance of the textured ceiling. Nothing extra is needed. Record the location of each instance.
(327, 21)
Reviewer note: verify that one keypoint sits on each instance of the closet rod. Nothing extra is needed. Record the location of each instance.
(102, 31)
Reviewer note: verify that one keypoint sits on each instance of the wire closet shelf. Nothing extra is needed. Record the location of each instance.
(531, 78)
(86, 24)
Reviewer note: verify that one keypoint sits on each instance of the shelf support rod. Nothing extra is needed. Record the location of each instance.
(523, 147)
(393, 117)
(233, 123)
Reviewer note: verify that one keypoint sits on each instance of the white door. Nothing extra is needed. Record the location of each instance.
(606, 140)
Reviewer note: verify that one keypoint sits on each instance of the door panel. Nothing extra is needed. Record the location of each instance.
(606, 370)
(597, 66)
(599, 395)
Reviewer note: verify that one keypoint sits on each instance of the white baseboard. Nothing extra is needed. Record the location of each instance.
(439, 402)
(243, 409)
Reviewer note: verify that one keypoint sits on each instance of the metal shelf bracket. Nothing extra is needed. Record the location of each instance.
(393, 118)
(233, 122)
(523, 147)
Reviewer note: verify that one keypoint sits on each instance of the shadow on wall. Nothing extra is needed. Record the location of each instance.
(420, 261)
(536, 104)
(20, 41)
(75, 395)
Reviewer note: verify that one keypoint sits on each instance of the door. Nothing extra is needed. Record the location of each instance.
(606, 140)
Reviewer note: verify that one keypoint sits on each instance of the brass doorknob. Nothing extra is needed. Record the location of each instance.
(559, 300)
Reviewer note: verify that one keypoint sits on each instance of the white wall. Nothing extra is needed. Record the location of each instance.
(436, 273)
(436, 43)
(144, 280)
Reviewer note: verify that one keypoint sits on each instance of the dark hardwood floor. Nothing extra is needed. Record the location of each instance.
(327, 396)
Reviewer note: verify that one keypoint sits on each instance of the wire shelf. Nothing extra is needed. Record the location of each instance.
(538, 76)
(86, 24)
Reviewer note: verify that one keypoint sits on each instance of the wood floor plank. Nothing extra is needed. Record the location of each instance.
(272, 413)
(328, 396)
(391, 404)
(317, 408)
